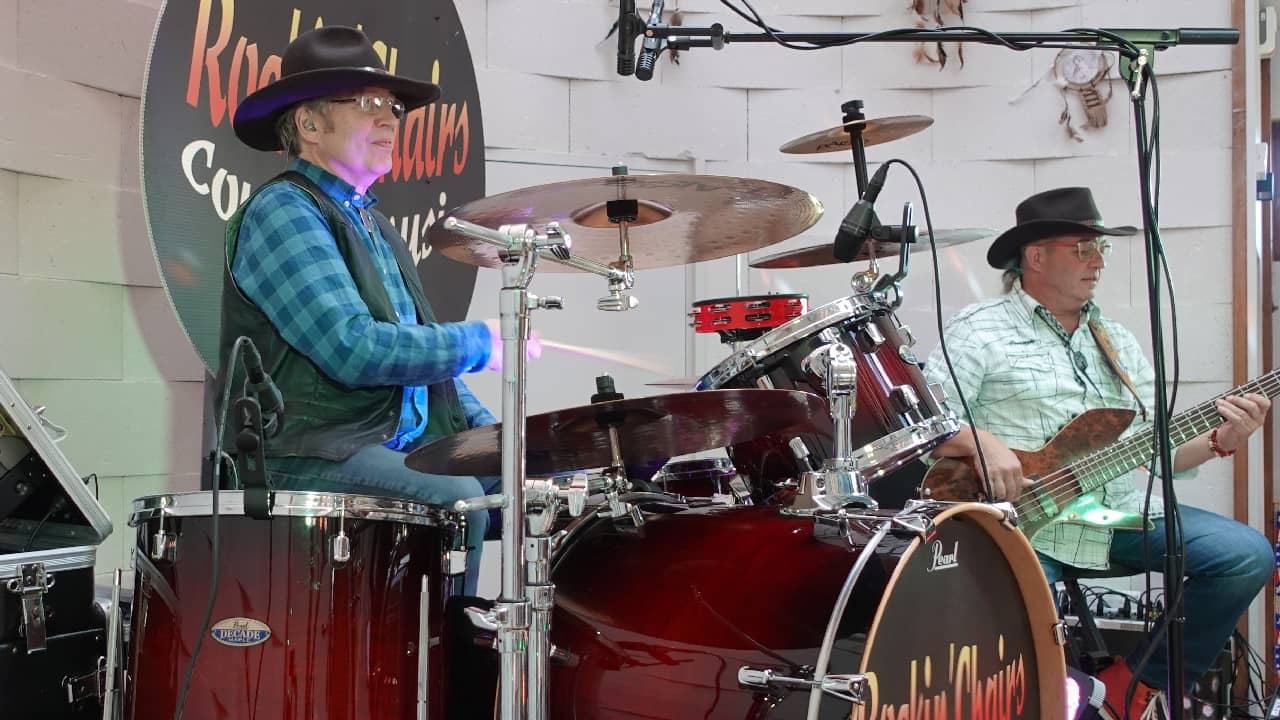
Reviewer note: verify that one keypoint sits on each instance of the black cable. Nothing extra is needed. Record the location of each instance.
(937, 306)
(31, 539)
(229, 369)
(1125, 47)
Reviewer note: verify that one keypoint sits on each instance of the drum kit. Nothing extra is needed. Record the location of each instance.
(765, 584)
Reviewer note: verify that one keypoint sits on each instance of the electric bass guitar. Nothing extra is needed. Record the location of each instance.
(1085, 455)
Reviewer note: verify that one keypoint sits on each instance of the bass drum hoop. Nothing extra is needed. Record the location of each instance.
(1034, 587)
(781, 337)
(291, 504)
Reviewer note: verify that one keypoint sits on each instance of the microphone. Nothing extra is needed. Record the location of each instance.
(857, 225)
(627, 22)
(258, 382)
(652, 45)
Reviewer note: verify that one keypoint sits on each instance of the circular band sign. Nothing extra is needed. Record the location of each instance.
(208, 54)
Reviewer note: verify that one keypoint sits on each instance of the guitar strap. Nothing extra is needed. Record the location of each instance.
(1109, 352)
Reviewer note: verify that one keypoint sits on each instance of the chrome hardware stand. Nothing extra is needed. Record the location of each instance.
(524, 624)
(112, 706)
(838, 483)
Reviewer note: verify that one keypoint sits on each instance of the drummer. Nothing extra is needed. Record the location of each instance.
(1042, 354)
(325, 287)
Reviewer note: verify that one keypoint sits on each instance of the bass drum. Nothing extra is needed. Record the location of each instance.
(943, 609)
(332, 609)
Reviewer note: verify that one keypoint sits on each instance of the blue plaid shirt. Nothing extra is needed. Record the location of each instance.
(288, 264)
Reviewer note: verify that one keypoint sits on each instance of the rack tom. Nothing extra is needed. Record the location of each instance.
(898, 416)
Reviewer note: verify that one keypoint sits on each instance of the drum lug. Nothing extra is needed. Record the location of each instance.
(163, 546)
(846, 687)
(454, 562)
(341, 548)
(870, 338)
(939, 393)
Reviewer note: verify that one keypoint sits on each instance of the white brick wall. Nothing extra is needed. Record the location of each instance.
(87, 330)
(94, 338)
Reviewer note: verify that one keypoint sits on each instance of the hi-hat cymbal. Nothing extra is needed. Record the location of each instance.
(874, 132)
(825, 254)
(652, 428)
(680, 219)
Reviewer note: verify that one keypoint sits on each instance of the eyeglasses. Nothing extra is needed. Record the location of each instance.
(1086, 249)
(375, 103)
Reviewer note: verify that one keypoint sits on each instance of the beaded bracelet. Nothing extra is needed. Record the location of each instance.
(1216, 448)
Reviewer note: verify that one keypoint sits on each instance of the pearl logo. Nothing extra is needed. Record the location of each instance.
(943, 560)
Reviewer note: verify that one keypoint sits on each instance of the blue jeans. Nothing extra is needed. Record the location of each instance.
(379, 470)
(1226, 565)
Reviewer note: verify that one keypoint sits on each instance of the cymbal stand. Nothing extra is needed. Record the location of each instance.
(523, 626)
(857, 145)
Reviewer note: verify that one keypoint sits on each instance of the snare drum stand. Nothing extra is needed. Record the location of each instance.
(524, 627)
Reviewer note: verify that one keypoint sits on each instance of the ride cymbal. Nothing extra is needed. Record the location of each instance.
(679, 219)
(874, 132)
(825, 254)
(650, 428)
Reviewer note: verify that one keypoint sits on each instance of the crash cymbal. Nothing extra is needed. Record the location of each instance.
(874, 132)
(652, 428)
(680, 219)
(825, 254)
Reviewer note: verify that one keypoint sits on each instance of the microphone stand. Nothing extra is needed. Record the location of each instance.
(1137, 74)
(1137, 48)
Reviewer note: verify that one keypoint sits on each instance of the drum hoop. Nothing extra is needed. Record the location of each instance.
(292, 504)
(1042, 615)
(872, 457)
(784, 335)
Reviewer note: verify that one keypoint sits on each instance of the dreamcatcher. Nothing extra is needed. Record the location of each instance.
(1086, 73)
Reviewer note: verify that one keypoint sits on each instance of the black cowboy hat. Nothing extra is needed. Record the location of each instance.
(319, 63)
(1063, 211)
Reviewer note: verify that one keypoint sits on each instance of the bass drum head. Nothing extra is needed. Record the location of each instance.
(965, 629)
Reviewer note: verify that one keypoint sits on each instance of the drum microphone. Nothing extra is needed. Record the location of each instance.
(627, 25)
(857, 225)
(652, 46)
(260, 384)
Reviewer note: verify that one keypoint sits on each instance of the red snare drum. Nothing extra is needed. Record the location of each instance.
(297, 632)
(898, 417)
(746, 318)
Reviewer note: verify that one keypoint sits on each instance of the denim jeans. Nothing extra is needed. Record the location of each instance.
(380, 471)
(1226, 565)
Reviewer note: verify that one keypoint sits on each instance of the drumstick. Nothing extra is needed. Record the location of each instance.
(607, 355)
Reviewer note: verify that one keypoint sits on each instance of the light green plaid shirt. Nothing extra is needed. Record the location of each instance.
(1025, 378)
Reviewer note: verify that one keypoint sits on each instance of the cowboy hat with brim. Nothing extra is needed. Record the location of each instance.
(1064, 211)
(321, 63)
